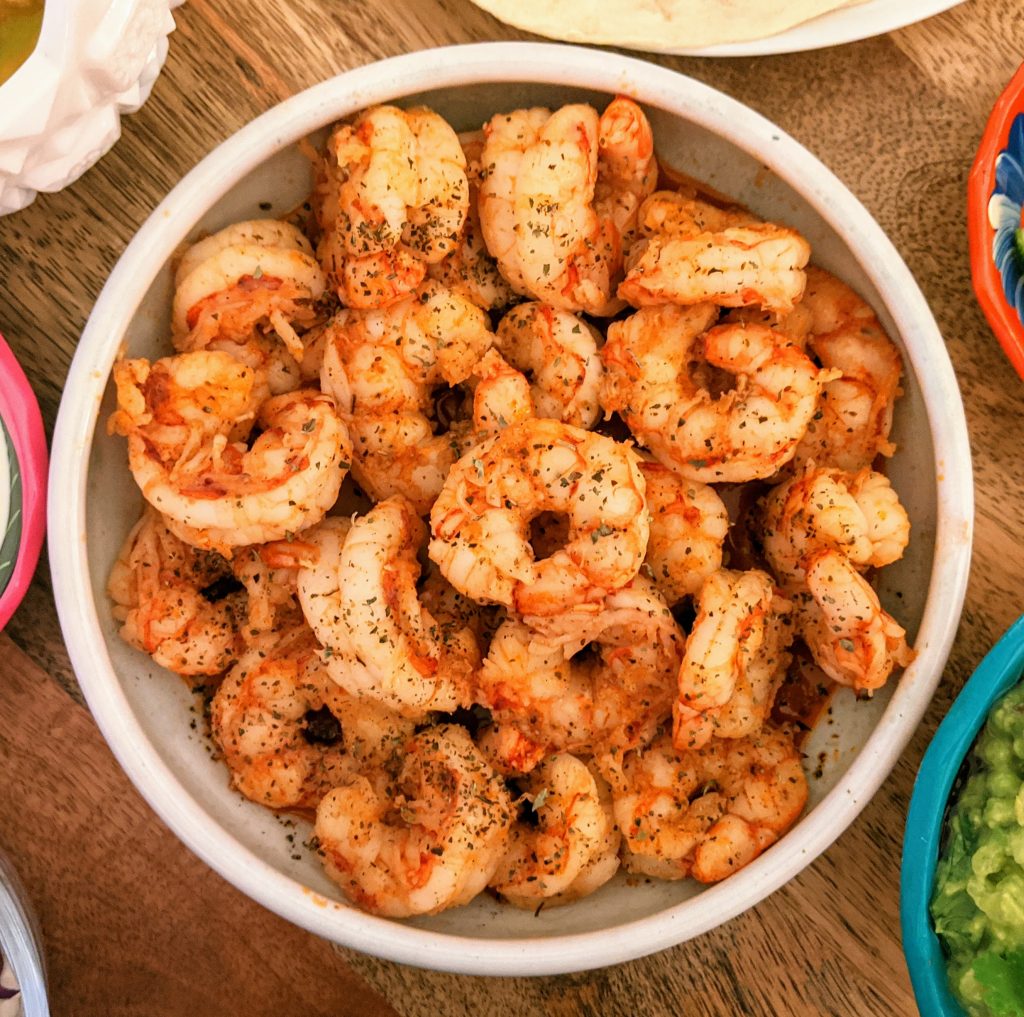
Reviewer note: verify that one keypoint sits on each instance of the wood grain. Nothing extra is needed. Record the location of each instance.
(898, 118)
(134, 924)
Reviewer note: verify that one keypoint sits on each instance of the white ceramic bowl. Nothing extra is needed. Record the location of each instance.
(145, 713)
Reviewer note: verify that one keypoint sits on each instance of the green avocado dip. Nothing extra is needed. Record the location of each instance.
(978, 906)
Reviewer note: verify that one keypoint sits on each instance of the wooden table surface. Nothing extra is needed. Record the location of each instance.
(135, 924)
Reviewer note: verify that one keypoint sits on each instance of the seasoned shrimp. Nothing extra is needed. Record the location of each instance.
(859, 516)
(379, 641)
(687, 259)
(705, 813)
(267, 357)
(250, 277)
(689, 524)
(672, 213)
(501, 396)
(854, 418)
(382, 367)
(288, 733)
(569, 230)
(854, 641)
(744, 434)
(480, 521)
(270, 233)
(596, 678)
(554, 211)
(177, 404)
(470, 270)
(558, 352)
(391, 198)
(735, 659)
(424, 833)
(167, 597)
(627, 170)
(226, 495)
(560, 193)
(507, 137)
(572, 847)
(269, 573)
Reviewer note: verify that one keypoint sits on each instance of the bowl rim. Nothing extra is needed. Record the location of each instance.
(555, 65)
(998, 672)
(20, 414)
(988, 285)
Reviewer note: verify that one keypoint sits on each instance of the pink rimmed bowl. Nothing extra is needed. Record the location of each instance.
(144, 713)
(22, 483)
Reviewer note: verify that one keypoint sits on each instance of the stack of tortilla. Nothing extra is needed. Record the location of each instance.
(658, 25)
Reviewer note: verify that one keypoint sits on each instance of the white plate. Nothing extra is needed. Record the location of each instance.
(833, 29)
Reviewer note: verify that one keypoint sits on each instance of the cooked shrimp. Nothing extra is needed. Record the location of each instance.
(735, 659)
(569, 230)
(689, 524)
(507, 137)
(627, 170)
(264, 354)
(859, 516)
(379, 641)
(480, 521)
(572, 847)
(690, 262)
(226, 495)
(288, 733)
(391, 198)
(672, 213)
(705, 813)
(270, 233)
(250, 277)
(547, 695)
(501, 396)
(167, 597)
(558, 352)
(269, 573)
(854, 641)
(177, 404)
(554, 211)
(382, 367)
(469, 269)
(422, 834)
(794, 325)
(744, 434)
(854, 418)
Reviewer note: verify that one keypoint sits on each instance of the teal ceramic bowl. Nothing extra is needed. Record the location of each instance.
(994, 677)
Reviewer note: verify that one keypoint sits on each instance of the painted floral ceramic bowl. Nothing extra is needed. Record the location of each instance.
(995, 220)
(144, 713)
(22, 483)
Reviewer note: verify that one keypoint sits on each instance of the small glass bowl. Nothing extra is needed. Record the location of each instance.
(21, 943)
(994, 677)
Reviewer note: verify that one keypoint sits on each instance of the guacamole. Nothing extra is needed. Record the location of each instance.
(978, 906)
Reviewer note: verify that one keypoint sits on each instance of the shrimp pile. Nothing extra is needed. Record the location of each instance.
(443, 508)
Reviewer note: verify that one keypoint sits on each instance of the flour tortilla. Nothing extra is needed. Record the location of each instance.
(658, 25)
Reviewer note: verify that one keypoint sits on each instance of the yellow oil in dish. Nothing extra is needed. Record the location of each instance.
(20, 21)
